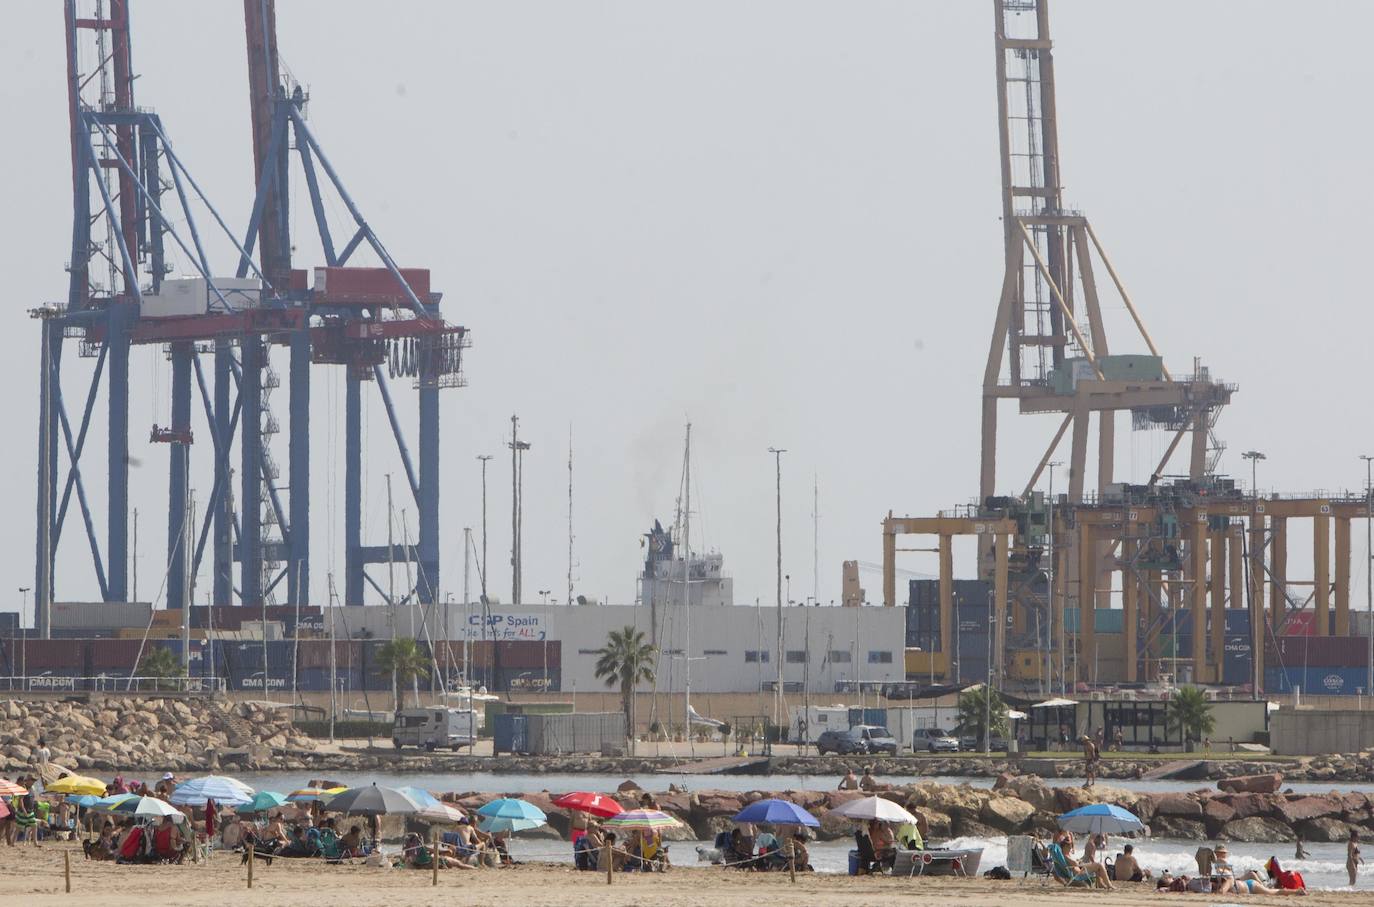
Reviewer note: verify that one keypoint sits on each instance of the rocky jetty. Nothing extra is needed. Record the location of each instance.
(1017, 805)
(149, 734)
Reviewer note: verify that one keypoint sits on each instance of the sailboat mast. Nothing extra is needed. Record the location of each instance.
(686, 580)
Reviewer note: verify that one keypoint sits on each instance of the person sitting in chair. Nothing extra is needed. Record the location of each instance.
(884, 844)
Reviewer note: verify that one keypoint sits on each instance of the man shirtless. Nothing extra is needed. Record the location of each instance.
(1127, 868)
(1091, 756)
(849, 781)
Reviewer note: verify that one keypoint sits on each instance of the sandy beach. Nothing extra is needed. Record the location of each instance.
(35, 877)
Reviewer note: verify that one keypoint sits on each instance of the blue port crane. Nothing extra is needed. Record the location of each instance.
(134, 201)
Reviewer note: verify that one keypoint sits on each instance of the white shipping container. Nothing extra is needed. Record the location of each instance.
(187, 296)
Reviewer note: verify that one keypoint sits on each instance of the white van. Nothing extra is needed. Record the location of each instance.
(435, 727)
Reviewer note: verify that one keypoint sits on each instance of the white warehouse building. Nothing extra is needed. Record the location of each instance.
(730, 648)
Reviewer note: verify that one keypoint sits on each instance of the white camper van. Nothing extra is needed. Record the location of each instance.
(435, 727)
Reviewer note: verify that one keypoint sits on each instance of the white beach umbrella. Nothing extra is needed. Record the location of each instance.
(875, 808)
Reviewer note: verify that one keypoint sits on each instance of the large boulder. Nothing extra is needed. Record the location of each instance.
(965, 827)
(1176, 827)
(1326, 829)
(1215, 814)
(1034, 791)
(1253, 829)
(1254, 805)
(940, 824)
(1007, 814)
(1177, 806)
(1301, 809)
(1252, 784)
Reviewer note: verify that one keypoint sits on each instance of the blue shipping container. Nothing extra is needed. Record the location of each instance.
(508, 733)
(1237, 659)
(1316, 681)
(1237, 621)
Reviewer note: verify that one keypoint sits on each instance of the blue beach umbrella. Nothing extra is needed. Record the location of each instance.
(1100, 818)
(422, 797)
(107, 804)
(776, 812)
(264, 800)
(225, 791)
(510, 814)
(85, 801)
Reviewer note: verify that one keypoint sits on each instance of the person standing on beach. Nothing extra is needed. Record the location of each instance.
(1091, 755)
(1352, 856)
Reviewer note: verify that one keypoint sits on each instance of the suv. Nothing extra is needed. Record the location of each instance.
(863, 738)
(933, 740)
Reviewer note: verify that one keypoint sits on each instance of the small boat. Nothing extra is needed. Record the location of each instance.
(936, 861)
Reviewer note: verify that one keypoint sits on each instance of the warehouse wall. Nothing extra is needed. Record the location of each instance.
(1314, 732)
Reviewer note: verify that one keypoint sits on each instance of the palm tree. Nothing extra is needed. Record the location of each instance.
(973, 711)
(1190, 712)
(404, 659)
(161, 663)
(626, 659)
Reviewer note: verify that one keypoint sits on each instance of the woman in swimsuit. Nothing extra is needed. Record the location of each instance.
(1352, 856)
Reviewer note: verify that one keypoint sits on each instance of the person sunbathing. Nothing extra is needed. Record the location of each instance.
(884, 843)
(168, 842)
(351, 844)
(1127, 868)
(1096, 871)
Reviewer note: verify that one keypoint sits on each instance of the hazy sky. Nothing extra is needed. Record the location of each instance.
(776, 219)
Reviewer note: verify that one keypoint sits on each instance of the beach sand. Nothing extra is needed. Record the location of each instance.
(34, 877)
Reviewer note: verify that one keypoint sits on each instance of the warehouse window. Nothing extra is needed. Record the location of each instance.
(879, 658)
(714, 652)
(840, 656)
(796, 656)
(752, 656)
(588, 651)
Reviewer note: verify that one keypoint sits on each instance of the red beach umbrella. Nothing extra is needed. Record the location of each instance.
(598, 805)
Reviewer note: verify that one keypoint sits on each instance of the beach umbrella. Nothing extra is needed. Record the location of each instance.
(147, 808)
(76, 784)
(442, 813)
(422, 798)
(264, 800)
(1101, 818)
(592, 804)
(510, 814)
(644, 819)
(373, 801)
(85, 801)
(866, 808)
(776, 812)
(309, 794)
(106, 804)
(225, 791)
(9, 789)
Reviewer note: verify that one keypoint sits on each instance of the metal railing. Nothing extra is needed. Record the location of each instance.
(44, 683)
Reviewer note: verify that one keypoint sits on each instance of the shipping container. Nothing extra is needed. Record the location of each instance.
(316, 680)
(1237, 621)
(525, 654)
(1105, 620)
(1324, 681)
(1237, 659)
(118, 654)
(1322, 651)
(508, 734)
(528, 680)
(1300, 623)
(868, 716)
(581, 732)
(37, 655)
(369, 286)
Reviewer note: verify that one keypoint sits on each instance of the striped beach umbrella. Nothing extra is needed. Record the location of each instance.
(644, 819)
(223, 790)
(9, 789)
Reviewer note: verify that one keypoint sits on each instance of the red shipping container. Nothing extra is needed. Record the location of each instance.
(314, 653)
(1301, 623)
(369, 286)
(37, 655)
(1324, 651)
(121, 654)
(523, 654)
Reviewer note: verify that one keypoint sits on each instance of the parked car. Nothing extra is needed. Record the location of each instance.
(863, 738)
(969, 742)
(933, 740)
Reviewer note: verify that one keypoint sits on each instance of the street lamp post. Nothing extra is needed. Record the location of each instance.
(1369, 566)
(778, 700)
(484, 458)
(24, 640)
(1256, 613)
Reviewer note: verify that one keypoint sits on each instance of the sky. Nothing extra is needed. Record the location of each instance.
(776, 220)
